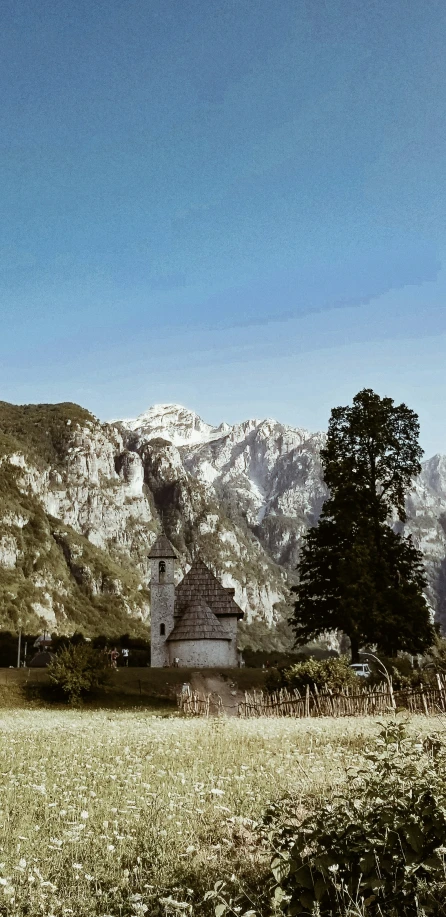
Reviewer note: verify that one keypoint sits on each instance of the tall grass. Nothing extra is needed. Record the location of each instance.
(130, 813)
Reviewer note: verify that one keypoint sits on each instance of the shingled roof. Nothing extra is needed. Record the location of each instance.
(200, 583)
(198, 623)
(162, 547)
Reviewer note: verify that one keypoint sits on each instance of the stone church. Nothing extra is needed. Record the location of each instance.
(194, 622)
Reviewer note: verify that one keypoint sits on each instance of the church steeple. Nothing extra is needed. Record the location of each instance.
(162, 547)
(162, 598)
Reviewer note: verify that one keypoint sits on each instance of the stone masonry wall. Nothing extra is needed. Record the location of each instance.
(162, 590)
(201, 653)
(230, 627)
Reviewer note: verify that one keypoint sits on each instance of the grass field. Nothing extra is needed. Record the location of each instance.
(129, 687)
(126, 813)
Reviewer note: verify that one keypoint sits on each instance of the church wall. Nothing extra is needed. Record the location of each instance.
(230, 628)
(204, 653)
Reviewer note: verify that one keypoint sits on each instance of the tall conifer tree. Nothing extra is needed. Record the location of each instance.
(356, 574)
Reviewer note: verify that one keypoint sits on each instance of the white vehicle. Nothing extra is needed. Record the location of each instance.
(361, 668)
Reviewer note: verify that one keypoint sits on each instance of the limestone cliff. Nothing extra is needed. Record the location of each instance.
(81, 510)
(82, 501)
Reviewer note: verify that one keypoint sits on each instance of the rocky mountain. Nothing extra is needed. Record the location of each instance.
(69, 521)
(269, 475)
(426, 508)
(82, 501)
(173, 422)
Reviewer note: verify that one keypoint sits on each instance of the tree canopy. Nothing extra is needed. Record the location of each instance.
(356, 573)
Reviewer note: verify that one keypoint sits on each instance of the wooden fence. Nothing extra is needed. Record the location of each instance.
(195, 703)
(367, 701)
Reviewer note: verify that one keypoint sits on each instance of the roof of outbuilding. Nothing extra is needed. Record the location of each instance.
(198, 623)
(162, 547)
(41, 660)
(200, 583)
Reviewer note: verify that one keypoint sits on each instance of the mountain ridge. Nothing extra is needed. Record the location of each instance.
(274, 474)
(242, 494)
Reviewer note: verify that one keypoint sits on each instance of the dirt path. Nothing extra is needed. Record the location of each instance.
(215, 684)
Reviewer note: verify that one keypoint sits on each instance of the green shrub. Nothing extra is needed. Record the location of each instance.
(46, 430)
(275, 678)
(377, 849)
(77, 672)
(436, 659)
(334, 672)
(403, 674)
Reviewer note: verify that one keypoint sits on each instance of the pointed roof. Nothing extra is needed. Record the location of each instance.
(198, 623)
(200, 583)
(162, 547)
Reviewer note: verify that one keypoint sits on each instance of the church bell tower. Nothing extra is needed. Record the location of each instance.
(162, 599)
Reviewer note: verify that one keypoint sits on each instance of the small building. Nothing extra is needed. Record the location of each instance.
(195, 622)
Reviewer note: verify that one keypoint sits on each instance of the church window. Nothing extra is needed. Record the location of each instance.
(162, 630)
(162, 567)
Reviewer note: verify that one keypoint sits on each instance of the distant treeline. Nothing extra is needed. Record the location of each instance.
(256, 659)
(139, 648)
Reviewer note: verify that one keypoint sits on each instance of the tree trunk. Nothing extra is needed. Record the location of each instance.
(354, 647)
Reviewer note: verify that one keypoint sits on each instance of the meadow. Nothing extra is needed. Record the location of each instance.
(132, 812)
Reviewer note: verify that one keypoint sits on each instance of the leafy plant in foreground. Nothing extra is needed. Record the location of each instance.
(227, 904)
(380, 846)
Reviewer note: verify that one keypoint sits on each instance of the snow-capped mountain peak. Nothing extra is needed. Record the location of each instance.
(245, 493)
(270, 474)
(172, 422)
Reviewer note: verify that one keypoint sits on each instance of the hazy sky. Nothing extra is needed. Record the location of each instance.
(238, 205)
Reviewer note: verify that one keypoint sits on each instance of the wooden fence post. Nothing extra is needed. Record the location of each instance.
(423, 699)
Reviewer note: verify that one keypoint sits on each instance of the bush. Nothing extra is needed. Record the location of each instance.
(436, 658)
(403, 674)
(77, 672)
(377, 849)
(334, 672)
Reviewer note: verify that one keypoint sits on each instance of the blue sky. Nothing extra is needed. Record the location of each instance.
(238, 205)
